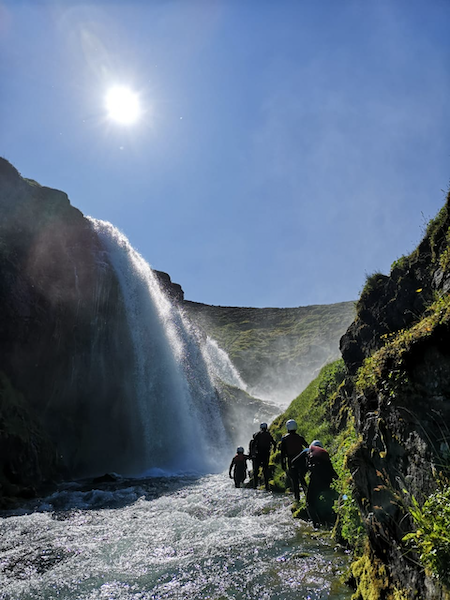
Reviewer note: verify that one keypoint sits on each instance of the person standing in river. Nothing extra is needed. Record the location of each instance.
(320, 497)
(260, 452)
(238, 467)
(291, 445)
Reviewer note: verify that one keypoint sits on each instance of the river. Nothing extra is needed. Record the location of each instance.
(166, 538)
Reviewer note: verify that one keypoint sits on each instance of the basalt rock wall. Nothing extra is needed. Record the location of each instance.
(397, 354)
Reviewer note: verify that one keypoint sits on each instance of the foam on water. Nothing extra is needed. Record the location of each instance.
(166, 539)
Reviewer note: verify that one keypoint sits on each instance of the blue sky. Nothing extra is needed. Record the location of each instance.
(286, 150)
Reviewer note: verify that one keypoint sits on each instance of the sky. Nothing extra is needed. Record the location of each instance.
(284, 151)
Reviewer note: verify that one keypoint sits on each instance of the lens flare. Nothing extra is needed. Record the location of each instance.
(123, 105)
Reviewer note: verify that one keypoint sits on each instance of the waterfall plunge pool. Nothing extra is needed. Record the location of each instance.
(166, 538)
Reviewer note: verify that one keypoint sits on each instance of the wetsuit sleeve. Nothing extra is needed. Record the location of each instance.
(283, 454)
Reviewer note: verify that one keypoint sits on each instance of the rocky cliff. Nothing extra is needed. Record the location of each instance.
(55, 293)
(397, 354)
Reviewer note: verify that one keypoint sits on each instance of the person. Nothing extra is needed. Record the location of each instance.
(300, 463)
(320, 496)
(251, 453)
(291, 445)
(260, 452)
(239, 467)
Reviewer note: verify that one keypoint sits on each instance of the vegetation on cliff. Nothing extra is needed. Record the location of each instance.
(322, 412)
(397, 355)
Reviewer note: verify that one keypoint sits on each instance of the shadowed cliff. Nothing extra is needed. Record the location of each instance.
(56, 291)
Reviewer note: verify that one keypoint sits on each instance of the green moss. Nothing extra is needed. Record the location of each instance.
(384, 369)
(349, 529)
(371, 577)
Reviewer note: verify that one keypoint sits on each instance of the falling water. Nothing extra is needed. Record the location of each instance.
(176, 404)
(220, 365)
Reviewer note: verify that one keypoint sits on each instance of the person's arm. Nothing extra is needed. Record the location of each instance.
(229, 470)
(283, 456)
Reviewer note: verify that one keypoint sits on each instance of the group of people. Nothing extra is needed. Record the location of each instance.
(297, 459)
(259, 453)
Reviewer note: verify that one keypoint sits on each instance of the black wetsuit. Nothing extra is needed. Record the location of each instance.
(320, 496)
(261, 446)
(239, 464)
(291, 445)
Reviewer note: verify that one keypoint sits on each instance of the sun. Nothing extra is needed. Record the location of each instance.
(123, 105)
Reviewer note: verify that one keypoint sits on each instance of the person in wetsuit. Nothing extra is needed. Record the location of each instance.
(320, 496)
(260, 452)
(291, 445)
(239, 467)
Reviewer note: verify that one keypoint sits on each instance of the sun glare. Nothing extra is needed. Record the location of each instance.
(123, 105)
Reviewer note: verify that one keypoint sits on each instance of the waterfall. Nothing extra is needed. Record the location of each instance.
(220, 365)
(175, 404)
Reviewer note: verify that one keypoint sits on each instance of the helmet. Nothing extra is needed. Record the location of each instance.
(263, 426)
(316, 443)
(291, 425)
(240, 450)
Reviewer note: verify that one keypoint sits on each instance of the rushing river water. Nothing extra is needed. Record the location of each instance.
(164, 538)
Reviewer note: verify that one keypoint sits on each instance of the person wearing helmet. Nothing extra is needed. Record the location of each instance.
(239, 467)
(320, 496)
(260, 447)
(291, 446)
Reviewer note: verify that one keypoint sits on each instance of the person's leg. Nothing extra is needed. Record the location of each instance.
(265, 467)
(256, 464)
(293, 474)
(312, 498)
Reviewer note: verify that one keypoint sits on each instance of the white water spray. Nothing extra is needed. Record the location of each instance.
(176, 406)
(220, 365)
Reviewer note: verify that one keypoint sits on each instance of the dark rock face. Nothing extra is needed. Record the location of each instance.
(403, 413)
(62, 329)
(173, 290)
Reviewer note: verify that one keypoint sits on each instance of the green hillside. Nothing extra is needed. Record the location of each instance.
(277, 351)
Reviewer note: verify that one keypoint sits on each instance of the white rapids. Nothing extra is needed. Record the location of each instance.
(166, 538)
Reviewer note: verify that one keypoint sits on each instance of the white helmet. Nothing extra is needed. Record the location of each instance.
(240, 450)
(316, 443)
(263, 426)
(291, 425)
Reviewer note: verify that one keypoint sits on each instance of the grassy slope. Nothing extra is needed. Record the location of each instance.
(276, 350)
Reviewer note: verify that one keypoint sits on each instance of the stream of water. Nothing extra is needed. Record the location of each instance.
(166, 538)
